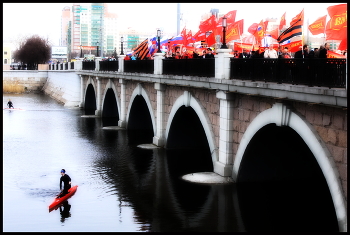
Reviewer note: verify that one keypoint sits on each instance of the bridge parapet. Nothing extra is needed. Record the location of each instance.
(311, 72)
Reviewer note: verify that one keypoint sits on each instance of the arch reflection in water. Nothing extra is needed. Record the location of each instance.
(150, 181)
(278, 181)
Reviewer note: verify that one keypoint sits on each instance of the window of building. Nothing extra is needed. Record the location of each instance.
(5, 52)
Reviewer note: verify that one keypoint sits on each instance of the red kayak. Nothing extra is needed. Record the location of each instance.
(59, 200)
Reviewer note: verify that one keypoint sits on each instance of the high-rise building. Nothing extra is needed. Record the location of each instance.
(64, 25)
(90, 25)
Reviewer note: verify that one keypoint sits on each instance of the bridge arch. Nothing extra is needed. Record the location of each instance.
(90, 81)
(88, 100)
(282, 116)
(189, 101)
(139, 90)
(110, 85)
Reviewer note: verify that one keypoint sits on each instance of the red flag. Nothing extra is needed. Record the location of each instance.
(248, 39)
(332, 54)
(297, 17)
(318, 26)
(293, 46)
(234, 31)
(184, 36)
(282, 21)
(240, 46)
(199, 36)
(208, 24)
(260, 32)
(252, 28)
(211, 39)
(343, 45)
(231, 17)
(189, 37)
(273, 33)
(336, 28)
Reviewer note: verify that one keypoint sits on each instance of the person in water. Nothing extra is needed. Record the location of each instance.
(66, 180)
(9, 104)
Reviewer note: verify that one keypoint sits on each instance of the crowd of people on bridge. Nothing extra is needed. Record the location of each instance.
(262, 52)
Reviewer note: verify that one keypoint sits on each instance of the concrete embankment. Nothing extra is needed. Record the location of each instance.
(63, 86)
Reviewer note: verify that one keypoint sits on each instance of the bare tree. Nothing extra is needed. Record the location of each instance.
(33, 51)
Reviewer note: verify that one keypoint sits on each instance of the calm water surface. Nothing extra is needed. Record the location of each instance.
(123, 188)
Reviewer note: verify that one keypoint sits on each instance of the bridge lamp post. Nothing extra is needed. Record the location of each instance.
(224, 25)
(97, 50)
(81, 51)
(158, 35)
(122, 40)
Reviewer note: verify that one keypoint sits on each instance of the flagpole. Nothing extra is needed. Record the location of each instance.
(302, 36)
(239, 32)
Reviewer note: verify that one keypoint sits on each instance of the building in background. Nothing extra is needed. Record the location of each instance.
(66, 12)
(7, 53)
(89, 25)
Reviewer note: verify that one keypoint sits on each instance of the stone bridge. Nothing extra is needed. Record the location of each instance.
(302, 130)
(253, 131)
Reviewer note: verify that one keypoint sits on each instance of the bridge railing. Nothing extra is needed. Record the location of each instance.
(310, 72)
(107, 65)
(189, 67)
(89, 65)
(139, 66)
(330, 72)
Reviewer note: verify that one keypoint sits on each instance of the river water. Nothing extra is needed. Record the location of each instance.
(121, 188)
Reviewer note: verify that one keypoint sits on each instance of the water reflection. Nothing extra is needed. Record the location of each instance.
(123, 187)
(65, 211)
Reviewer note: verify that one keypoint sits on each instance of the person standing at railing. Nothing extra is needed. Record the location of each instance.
(323, 51)
(195, 54)
(270, 53)
(302, 53)
(244, 54)
(285, 54)
(209, 54)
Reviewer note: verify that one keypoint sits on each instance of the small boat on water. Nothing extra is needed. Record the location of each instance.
(59, 200)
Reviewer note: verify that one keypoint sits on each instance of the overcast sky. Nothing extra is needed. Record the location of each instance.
(44, 19)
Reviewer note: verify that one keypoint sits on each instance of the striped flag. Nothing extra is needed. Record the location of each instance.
(292, 31)
(141, 50)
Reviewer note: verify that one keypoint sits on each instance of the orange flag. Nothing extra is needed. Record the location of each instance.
(282, 22)
(260, 32)
(318, 26)
(293, 46)
(297, 17)
(336, 28)
(234, 31)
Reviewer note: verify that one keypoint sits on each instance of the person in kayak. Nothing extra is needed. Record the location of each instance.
(66, 180)
(9, 104)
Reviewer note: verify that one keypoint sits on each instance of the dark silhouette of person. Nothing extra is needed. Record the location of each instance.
(65, 212)
(9, 104)
(66, 180)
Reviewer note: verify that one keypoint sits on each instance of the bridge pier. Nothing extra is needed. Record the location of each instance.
(98, 98)
(158, 138)
(224, 166)
(81, 105)
(122, 117)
